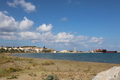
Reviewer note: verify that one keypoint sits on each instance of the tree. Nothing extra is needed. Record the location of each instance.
(43, 47)
(2, 50)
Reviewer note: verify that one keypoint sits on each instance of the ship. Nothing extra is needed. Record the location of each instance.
(110, 52)
(105, 51)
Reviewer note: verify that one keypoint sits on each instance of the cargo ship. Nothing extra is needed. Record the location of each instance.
(110, 52)
(104, 51)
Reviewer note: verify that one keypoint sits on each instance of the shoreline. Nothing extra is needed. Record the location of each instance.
(68, 53)
(63, 69)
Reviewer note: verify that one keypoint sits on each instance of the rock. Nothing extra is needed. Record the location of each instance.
(111, 74)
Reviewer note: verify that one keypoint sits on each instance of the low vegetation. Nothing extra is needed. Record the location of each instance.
(42, 69)
(10, 65)
(51, 77)
(12, 77)
(48, 63)
(13, 69)
(7, 71)
(32, 74)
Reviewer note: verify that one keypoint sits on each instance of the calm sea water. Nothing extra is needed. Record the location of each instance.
(83, 57)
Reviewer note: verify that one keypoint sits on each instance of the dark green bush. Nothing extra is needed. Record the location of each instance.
(13, 69)
(51, 77)
(12, 77)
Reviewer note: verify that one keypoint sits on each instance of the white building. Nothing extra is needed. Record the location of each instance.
(64, 51)
(20, 48)
(54, 51)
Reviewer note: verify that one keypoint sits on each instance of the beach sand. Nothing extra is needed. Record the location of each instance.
(39, 69)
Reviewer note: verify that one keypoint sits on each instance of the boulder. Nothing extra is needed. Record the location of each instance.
(111, 74)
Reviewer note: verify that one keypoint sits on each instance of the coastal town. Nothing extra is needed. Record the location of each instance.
(26, 49)
(34, 49)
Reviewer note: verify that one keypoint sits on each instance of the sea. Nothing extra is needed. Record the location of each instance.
(82, 57)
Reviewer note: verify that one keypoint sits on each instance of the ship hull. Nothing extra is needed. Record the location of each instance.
(110, 52)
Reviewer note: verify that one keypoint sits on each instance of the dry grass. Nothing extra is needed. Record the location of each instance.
(42, 69)
(47, 63)
(9, 64)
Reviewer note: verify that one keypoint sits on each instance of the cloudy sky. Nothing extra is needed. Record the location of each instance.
(61, 24)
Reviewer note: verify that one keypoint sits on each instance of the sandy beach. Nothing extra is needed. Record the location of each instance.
(40, 69)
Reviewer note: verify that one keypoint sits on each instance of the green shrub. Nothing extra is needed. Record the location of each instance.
(51, 77)
(72, 79)
(13, 69)
(94, 74)
(12, 77)
(32, 74)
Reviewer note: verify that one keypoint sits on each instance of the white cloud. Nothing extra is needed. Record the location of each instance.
(81, 40)
(27, 6)
(29, 35)
(8, 23)
(5, 12)
(15, 2)
(9, 28)
(64, 19)
(61, 38)
(8, 35)
(11, 37)
(96, 40)
(48, 37)
(82, 37)
(64, 37)
(26, 24)
(44, 28)
(34, 41)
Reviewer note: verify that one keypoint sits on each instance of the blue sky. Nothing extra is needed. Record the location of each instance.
(61, 24)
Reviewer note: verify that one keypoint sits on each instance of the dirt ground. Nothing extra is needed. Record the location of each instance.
(14, 68)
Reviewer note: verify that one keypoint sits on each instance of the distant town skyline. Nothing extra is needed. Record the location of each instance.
(61, 24)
